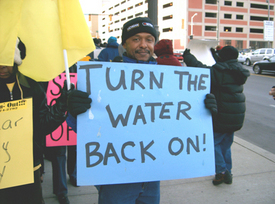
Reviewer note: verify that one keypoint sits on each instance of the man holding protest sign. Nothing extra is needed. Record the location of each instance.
(135, 177)
(138, 39)
(25, 121)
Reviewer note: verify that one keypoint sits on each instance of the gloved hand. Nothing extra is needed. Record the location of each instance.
(61, 101)
(214, 54)
(213, 51)
(211, 104)
(186, 52)
(190, 60)
(78, 102)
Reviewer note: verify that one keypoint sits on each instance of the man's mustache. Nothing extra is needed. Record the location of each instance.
(142, 50)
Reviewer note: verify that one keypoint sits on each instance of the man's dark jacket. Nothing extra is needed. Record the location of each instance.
(45, 119)
(227, 80)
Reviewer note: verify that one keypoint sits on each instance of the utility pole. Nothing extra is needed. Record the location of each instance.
(218, 22)
(268, 43)
(153, 13)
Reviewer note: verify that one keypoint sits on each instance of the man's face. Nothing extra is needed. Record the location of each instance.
(140, 46)
(5, 71)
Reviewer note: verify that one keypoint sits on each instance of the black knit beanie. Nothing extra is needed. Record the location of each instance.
(138, 25)
(228, 53)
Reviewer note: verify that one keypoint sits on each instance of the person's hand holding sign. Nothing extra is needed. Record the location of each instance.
(78, 102)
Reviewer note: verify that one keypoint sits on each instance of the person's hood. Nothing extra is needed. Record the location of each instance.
(164, 47)
(113, 44)
(239, 73)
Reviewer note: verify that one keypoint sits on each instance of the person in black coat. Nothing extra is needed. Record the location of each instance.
(45, 119)
(227, 80)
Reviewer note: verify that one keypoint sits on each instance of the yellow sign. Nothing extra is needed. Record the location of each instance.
(46, 28)
(16, 143)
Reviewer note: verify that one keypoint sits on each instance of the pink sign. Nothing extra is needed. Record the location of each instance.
(63, 135)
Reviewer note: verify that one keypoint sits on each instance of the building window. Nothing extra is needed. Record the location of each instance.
(211, 1)
(228, 3)
(123, 19)
(210, 15)
(210, 28)
(103, 32)
(139, 4)
(256, 30)
(129, 17)
(258, 18)
(117, 21)
(111, 8)
(123, 10)
(239, 44)
(227, 42)
(240, 17)
(146, 11)
(239, 30)
(103, 19)
(259, 6)
(123, 2)
(167, 5)
(167, 30)
(227, 29)
(167, 17)
(239, 4)
(129, 8)
(139, 14)
(103, 25)
(103, 11)
(116, 29)
(116, 13)
(227, 16)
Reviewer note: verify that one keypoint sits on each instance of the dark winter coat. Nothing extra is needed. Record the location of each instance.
(45, 119)
(164, 50)
(109, 53)
(227, 80)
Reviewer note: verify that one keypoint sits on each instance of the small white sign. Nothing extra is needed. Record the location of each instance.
(268, 30)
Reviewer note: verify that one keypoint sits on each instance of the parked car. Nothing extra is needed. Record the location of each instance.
(266, 64)
(178, 56)
(247, 50)
(241, 58)
(258, 55)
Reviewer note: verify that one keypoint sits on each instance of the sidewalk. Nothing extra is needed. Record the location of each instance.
(253, 182)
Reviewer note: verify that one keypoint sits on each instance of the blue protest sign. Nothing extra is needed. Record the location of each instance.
(146, 123)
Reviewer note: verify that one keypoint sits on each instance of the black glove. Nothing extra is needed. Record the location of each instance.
(78, 102)
(186, 52)
(211, 104)
(61, 101)
(215, 55)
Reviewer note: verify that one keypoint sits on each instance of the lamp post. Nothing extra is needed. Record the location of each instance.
(191, 36)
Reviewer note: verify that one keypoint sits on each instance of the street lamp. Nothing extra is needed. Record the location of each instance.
(191, 36)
